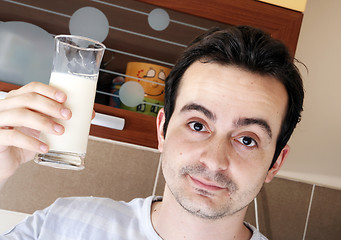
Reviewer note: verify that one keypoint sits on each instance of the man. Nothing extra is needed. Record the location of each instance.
(232, 102)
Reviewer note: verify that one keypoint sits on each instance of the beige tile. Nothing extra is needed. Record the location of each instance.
(112, 170)
(161, 183)
(282, 209)
(325, 215)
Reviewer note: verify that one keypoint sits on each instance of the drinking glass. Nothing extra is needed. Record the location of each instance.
(75, 72)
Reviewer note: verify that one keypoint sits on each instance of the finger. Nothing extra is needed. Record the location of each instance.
(12, 137)
(37, 103)
(40, 88)
(22, 117)
(93, 114)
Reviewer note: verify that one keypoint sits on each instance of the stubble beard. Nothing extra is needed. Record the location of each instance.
(199, 208)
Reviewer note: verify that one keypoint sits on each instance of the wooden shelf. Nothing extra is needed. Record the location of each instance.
(139, 129)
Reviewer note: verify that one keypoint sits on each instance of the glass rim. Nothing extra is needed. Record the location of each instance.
(102, 46)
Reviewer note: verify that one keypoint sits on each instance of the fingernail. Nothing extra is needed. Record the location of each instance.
(65, 112)
(44, 148)
(60, 96)
(58, 128)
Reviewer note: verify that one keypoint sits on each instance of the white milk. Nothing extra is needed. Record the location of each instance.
(80, 93)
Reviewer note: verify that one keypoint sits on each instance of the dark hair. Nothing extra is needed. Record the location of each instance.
(250, 49)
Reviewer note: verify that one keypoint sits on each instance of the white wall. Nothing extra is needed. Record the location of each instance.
(316, 144)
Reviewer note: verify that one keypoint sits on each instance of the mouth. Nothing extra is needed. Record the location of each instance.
(155, 95)
(205, 185)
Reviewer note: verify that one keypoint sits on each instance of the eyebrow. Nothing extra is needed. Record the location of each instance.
(199, 108)
(255, 121)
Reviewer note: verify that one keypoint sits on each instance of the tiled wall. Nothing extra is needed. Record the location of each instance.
(113, 170)
(286, 209)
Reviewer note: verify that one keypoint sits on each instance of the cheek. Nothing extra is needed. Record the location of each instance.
(178, 153)
(249, 168)
(251, 176)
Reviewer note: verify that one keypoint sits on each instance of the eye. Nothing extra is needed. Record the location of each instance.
(247, 141)
(162, 75)
(197, 126)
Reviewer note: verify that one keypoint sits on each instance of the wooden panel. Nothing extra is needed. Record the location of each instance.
(298, 5)
(283, 24)
(139, 128)
(6, 87)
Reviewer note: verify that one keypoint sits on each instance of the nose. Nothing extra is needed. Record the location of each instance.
(215, 155)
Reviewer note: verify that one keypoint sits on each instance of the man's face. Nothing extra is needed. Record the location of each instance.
(221, 138)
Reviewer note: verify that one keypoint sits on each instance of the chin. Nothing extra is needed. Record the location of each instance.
(205, 206)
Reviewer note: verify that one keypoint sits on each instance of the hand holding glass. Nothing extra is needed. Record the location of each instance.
(75, 72)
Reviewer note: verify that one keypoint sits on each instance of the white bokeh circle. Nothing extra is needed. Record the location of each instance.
(89, 22)
(26, 53)
(158, 19)
(131, 94)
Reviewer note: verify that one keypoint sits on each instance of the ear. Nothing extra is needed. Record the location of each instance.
(160, 121)
(278, 164)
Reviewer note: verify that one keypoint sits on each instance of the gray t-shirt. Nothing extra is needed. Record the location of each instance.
(92, 218)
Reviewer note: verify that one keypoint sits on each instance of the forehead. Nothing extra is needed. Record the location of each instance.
(213, 75)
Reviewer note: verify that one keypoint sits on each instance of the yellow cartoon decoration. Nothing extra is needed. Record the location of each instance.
(152, 78)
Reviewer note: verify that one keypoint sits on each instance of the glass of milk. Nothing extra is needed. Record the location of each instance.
(75, 71)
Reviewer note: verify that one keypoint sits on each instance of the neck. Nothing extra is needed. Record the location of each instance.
(171, 221)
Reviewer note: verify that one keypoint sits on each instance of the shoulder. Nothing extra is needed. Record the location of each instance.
(88, 218)
(256, 234)
(98, 218)
(92, 205)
